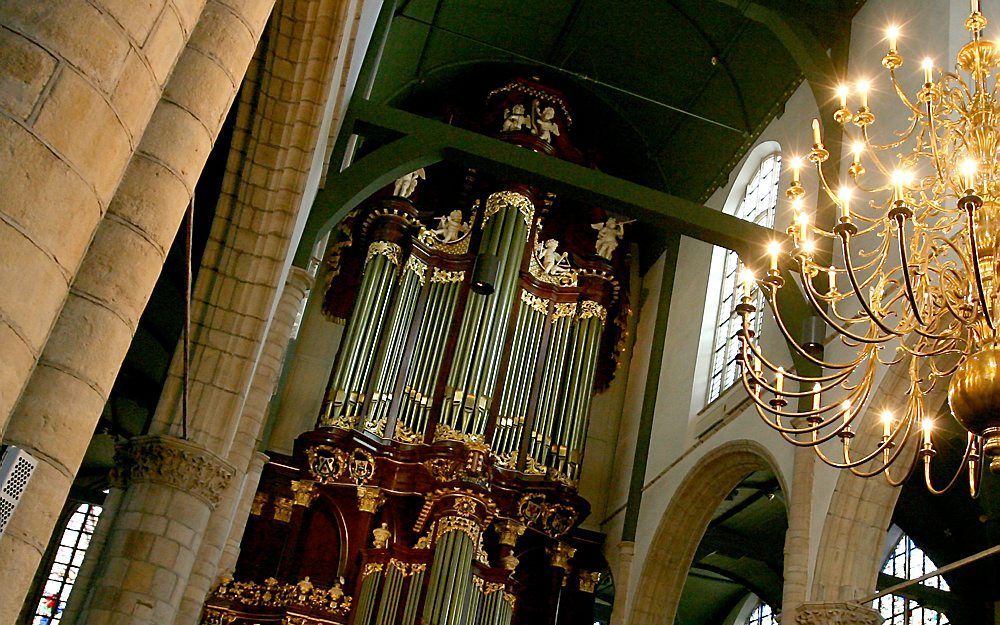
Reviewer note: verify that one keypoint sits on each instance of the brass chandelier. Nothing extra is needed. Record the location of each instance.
(914, 279)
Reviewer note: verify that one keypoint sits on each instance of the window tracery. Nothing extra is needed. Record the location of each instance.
(908, 561)
(762, 615)
(760, 198)
(73, 544)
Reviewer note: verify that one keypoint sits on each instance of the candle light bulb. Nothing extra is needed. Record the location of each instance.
(846, 406)
(816, 396)
(897, 185)
(817, 137)
(796, 165)
(928, 65)
(927, 425)
(886, 423)
(844, 195)
(858, 148)
(774, 250)
(842, 92)
(863, 87)
(968, 169)
(831, 277)
(892, 34)
(779, 380)
(802, 224)
(974, 6)
(748, 279)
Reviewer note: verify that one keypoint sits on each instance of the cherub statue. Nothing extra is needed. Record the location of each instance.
(515, 119)
(544, 126)
(609, 234)
(303, 589)
(450, 228)
(551, 261)
(406, 185)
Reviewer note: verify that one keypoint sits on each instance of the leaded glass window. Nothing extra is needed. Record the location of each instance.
(907, 561)
(69, 554)
(759, 200)
(762, 615)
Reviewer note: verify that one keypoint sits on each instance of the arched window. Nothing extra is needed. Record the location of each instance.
(907, 561)
(66, 564)
(757, 205)
(762, 615)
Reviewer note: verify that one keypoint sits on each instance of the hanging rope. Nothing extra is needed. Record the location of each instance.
(186, 383)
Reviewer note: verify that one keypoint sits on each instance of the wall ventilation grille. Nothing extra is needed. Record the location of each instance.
(16, 467)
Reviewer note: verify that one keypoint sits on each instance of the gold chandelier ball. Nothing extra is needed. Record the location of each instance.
(974, 398)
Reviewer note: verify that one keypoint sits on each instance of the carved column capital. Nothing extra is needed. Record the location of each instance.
(370, 498)
(305, 492)
(588, 580)
(509, 531)
(176, 463)
(559, 555)
(836, 614)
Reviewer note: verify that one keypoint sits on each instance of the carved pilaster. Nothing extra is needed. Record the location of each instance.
(836, 614)
(175, 463)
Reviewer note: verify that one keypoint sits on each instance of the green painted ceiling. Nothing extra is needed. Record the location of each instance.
(669, 91)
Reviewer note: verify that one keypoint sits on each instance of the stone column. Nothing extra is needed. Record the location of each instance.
(231, 552)
(172, 487)
(65, 397)
(78, 82)
(206, 565)
(835, 613)
(626, 554)
(795, 591)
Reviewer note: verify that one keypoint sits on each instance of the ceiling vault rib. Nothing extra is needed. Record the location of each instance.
(578, 76)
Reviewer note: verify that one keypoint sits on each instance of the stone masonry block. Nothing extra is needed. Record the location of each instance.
(50, 203)
(136, 17)
(25, 69)
(28, 311)
(228, 41)
(80, 124)
(163, 45)
(135, 96)
(156, 214)
(74, 30)
(203, 88)
(16, 362)
(179, 141)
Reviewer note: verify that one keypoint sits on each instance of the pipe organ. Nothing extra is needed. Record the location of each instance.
(440, 483)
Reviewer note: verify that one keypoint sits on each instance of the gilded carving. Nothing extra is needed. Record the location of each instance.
(559, 555)
(446, 433)
(257, 506)
(174, 463)
(563, 309)
(538, 304)
(305, 492)
(468, 527)
(590, 308)
(217, 617)
(504, 199)
(326, 463)
(371, 567)
(405, 435)
(587, 581)
(548, 266)
(273, 594)
(282, 509)
(370, 499)
(509, 531)
(553, 519)
(384, 248)
(485, 587)
(418, 267)
(362, 466)
(444, 276)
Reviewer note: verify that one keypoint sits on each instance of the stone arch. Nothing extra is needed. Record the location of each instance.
(684, 523)
(860, 511)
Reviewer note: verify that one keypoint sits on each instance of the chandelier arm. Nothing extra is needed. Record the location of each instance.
(798, 348)
(935, 154)
(904, 268)
(833, 379)
(857, 289)
(954, 478)
(976, 472)
(811, 295)
(901, 93)
(888, 443)
(906, 474)
(974, 249)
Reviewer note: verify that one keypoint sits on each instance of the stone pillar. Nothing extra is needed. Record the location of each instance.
(206, 565)
(78, 82)
(88, 569)
(835, 614)
(65, 397)
(172, 487)
(795, 591)
(231, 552)
(626, 554)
